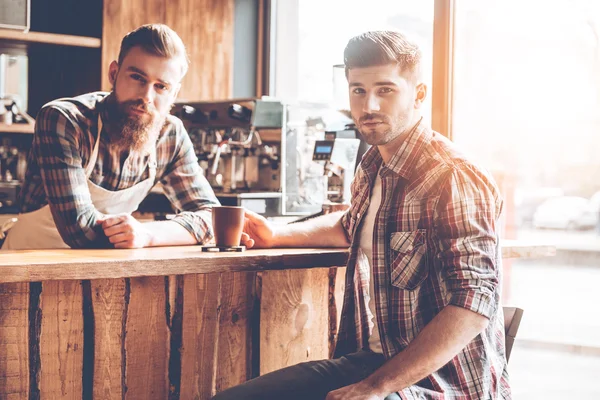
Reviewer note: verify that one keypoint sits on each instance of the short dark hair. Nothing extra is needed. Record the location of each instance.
(156, 39)
(377, 48)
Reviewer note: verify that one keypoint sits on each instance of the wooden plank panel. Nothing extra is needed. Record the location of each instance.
(61, 340)
(199, 336)
(337, 278)
(234, 363)
(121, 17)
(109, 299)
(294, 318)
(206, 28)
(14, 349)
(147, 340)
(13, 396)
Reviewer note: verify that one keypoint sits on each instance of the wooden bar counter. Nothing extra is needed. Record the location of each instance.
(165, 323)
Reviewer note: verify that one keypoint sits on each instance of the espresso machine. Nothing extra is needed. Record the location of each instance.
(14, 146)
(238, 144)
(323, 150)
(13, 165)
(261, 154)
(338, 152)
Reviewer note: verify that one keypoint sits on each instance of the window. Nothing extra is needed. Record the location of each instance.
(310, 37)
(527, 106)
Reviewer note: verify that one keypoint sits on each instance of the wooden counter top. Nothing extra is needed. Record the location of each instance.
(43, 265)
(522, 249)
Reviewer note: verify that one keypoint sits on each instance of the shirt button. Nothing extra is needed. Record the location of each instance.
(357, 215)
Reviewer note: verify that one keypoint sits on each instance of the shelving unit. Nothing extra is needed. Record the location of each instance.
(63, 48)
(17, 128)
(50, 38)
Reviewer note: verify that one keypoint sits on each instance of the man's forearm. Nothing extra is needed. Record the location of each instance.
(323, 231)
(168, 233)
(440, 341)
(79, 228)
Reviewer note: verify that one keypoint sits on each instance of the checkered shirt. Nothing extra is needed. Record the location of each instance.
(435, 243)
(65, 133)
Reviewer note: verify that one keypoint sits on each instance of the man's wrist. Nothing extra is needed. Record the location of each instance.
(283, 236)
(276, 239)
(151, 239)
(376, 386)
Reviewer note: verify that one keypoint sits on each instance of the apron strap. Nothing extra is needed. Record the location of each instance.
(152, 161)
(89, 168)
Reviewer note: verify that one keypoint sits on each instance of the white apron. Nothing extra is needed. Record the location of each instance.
(37, 230)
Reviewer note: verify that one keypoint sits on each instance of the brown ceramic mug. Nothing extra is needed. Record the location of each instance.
(228, 223)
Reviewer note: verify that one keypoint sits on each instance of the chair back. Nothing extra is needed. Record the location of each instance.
(512, 319)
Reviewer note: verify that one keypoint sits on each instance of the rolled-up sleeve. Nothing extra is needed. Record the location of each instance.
(348, 219)
(345, 221)
(466, 223)
(188, 190)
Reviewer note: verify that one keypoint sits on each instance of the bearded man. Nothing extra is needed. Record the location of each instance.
(95, 157)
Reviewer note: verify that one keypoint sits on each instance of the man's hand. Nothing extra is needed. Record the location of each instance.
(358, 391)
(257, 231)
(126, 232)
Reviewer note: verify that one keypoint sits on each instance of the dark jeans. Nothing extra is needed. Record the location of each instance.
(308, 381)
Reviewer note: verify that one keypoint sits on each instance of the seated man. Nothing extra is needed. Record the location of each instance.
(421, 317)
(95, 157)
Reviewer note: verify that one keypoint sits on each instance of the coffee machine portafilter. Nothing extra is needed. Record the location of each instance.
(238, 144)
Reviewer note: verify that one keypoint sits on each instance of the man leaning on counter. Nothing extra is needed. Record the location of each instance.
(95, 157)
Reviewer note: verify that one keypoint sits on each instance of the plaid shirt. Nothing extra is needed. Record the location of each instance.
(65, 134)
(435, 243)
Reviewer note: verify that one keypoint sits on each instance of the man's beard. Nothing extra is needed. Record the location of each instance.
(133, 132)
(375, 137)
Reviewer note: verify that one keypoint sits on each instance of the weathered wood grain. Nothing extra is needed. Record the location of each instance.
(60, 264)
(146, 340)
(61, 340)
(234, 362)
(294, 306)
(200, 333)
(109, 303)
(14, 348)
(207, 32)
(121, 17)
(336, 300)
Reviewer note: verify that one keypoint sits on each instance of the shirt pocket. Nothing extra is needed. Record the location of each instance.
(408, 259)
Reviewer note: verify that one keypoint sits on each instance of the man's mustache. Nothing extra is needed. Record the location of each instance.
(372, 117)
(140, 105)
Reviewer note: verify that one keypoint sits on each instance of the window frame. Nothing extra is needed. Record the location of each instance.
(443, 61)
